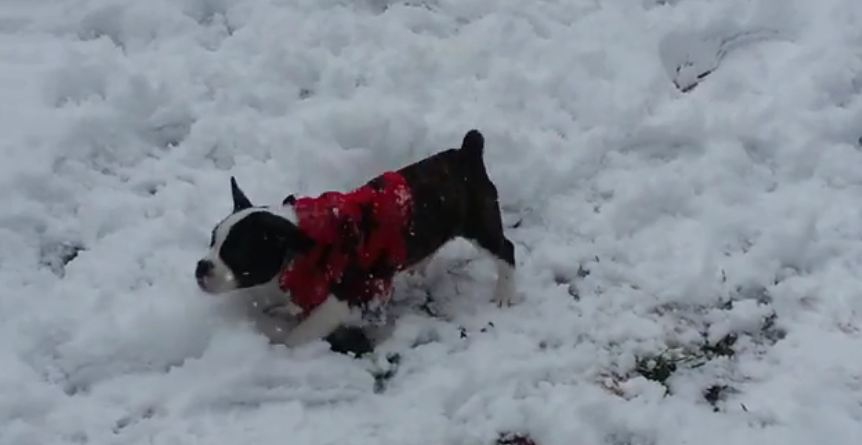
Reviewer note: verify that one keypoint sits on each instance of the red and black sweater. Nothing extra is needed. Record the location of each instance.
(359, 243)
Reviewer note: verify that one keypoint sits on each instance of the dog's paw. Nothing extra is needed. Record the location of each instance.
(503, 299)
(507, 296)
(506, 292)
(350, 340)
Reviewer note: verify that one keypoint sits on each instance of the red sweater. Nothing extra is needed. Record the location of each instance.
(359, 243)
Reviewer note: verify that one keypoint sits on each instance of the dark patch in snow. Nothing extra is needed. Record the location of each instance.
(350, 340)
(721, 348)
(566, 277)
(758, 293)
(582, 272)
(768, 333)
(648, 4)
(560, 279)
(658, 369)
(56, 256)
(381, 6)
(661, 367)
(717, 393)
(509, 438)
(148, 187)
(129, 420)
(772, 333)
(574, 292)
(73, 389)
(104, 22)
(464, 333)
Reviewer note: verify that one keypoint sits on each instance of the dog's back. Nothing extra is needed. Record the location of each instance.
(454, 197)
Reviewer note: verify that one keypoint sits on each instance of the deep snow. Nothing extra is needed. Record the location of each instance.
(638, 211)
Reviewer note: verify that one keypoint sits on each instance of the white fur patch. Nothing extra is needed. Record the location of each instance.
(322, 321)
(504, 293)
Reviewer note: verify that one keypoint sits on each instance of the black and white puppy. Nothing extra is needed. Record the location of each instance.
(441, 197)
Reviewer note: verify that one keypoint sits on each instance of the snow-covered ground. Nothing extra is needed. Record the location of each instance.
(722, 225)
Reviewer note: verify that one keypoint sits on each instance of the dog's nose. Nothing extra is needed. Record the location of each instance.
(203, 268)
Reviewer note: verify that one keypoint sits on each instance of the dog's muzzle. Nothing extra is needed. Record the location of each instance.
(203, 270)
(213, 277)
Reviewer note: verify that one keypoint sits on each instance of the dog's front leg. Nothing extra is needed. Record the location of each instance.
(276, 329)
(266, 309)
(322, 321)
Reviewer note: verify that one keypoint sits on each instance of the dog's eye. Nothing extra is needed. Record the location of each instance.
(212, 238)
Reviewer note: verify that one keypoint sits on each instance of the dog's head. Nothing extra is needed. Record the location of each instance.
(249, 247)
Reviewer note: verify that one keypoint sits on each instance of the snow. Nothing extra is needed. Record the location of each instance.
(647, 218)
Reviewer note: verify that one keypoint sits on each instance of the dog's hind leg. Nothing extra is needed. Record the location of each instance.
(484, 224)
(486, 230)
(504, 257)
(505, 290)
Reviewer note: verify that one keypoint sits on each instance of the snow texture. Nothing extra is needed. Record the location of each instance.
(722, 225)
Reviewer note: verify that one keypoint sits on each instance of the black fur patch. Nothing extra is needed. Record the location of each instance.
(256, 247)
(454, 197)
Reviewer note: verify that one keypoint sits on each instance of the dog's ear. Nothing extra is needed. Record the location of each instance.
(240, 201)
(287, 233)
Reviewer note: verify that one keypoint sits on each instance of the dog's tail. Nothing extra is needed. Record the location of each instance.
(472, 150)
(473, 145)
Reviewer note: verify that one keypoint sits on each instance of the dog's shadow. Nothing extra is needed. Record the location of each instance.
(452, 289)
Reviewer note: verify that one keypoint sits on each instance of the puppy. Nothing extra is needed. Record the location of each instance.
(334, 256)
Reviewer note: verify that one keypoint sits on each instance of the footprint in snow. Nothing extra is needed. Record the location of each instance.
(690, 56)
